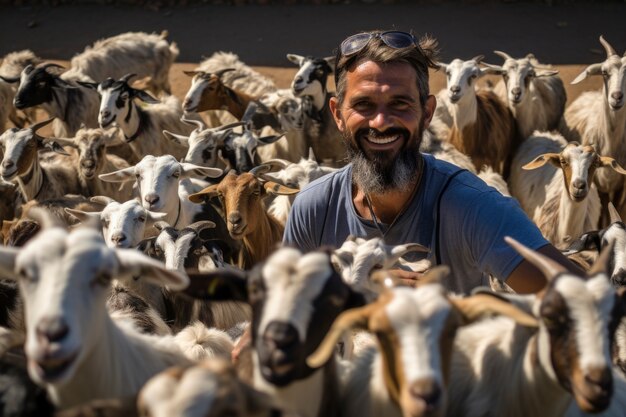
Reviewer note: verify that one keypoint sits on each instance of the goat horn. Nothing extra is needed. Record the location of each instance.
(601, 265)
(223, 71)
(615, 217)
(9, 79)
(607, 47)
(45, 218)
(478, 58)
(353, 318)
(228, 126)
(503, 55)
(312, 155)
(259, 170)
(547, 266)
(102, 199)
(201, 225)
(160, 225)
(475, 306)
(127, 77)
(34, 128)
(198, 123)
(50, 65)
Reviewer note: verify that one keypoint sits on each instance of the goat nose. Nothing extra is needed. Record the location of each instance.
(118, 238)
(517, 92)
(88, 163)
(151, 199)
(601, 378)
(8, 163)
(580, 184)
(618, 95)
(53, 329)
(427, 390)
(455, 89)
(297, 80)
(281, 334)
(234, 218)
(105, 113)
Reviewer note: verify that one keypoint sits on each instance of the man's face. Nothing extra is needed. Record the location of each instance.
(382, 121)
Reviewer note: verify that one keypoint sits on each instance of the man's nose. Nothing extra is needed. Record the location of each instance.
(381, 120)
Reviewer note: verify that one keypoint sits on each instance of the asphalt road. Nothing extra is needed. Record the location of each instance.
(262, 35)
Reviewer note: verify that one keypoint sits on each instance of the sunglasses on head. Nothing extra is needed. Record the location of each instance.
(392, 38)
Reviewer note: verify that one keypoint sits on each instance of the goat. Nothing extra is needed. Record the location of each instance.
(295, 298)
(240, 149)
(501, 368)
(241, 197)
(210, 388)
(292, 175)
(203, 144)
(93, 160)
(147, 55)
(73, 347)
(12, 66)
(562, 202)
(534, 93)
(482, 126)
(142, 127)
(38, 179)
(320, 130)
(598, 118)
(62, 97)
(191, 249)
(407, 374)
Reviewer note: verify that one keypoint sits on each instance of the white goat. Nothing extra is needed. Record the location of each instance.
(561, 199)
(39, 179)
(73, 347)
(147, 55)
(482, 126)
(407, 374)
(500, 368)
(598, 118)
(142, 127)
(534, 93)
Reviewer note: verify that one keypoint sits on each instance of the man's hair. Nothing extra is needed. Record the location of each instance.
(420, 59)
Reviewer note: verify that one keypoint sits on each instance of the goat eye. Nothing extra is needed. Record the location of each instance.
(102, 279)
(176, 174)
(141, 219)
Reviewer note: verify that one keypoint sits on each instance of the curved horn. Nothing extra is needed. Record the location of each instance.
(160, 225)
(102, 199)
(66, 142)
(547, 266)
(228, 126)
(223, 71)
(50, 65)
(198, 123)
(201, 225)
(259, 170)
(610, 51)
(503, 55)
(127, 77)
(9, 79)
(478, 58)
(312, 155)
(615, 217)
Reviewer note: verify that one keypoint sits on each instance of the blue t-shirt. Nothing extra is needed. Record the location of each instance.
(474, 220)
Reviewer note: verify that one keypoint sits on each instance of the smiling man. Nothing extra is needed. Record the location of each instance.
(392, 190)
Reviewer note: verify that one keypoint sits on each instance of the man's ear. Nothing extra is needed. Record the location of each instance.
(429, 110)
(335, 110)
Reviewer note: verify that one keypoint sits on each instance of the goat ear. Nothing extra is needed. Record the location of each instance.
(330, 60)
(192, 73)
(135, 264)
(154, 216)
(146, 245)
(145, 97)
(10, 80)
(593, 69)
(476, 306)
(274, 188)
(602, 264)
(190, 170)
(52, 145)
(492, 69)
(588, 241)
(122, 175)
(356, 318)
(83, 216)
(180, 139)
(92, 86)
(268, 140)
(541, 160)
(7, 262)
(607, 161)
(614, 214)
(204, 195)
(218, 285)
(296, 59)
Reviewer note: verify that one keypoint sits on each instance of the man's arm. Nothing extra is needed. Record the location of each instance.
(527, 279)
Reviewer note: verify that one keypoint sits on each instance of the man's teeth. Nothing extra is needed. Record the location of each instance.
(382, 140)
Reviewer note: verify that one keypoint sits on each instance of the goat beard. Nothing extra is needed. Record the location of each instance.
(380, 172)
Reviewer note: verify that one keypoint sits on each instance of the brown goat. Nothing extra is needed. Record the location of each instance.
(246, 216)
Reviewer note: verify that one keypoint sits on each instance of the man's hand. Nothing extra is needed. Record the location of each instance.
(402, 277)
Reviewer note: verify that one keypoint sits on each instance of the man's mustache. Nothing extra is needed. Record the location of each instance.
(375, 133)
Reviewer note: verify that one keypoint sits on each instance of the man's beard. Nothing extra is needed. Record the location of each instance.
(380, 172)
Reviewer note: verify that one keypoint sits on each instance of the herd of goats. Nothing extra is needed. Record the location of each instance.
(141, 242)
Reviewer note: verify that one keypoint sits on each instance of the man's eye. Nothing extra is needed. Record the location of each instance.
(362, 105)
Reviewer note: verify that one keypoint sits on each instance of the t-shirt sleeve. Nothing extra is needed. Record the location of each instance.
(300, 227)
(484, 218)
